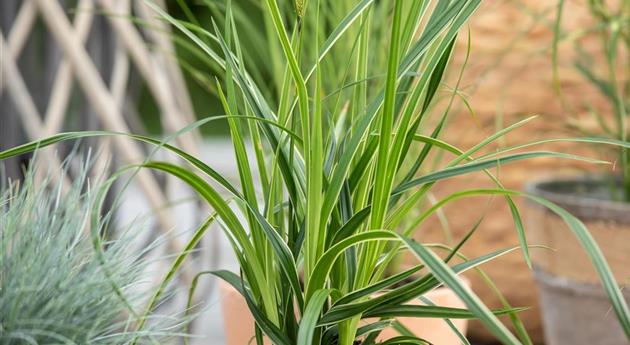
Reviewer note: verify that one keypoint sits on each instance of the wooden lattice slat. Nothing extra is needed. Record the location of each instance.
(160, 73)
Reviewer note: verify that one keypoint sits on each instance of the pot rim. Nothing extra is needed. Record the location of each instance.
(559, 282)
(581, 205)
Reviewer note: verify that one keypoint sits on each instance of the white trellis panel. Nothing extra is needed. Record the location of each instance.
(157, 67)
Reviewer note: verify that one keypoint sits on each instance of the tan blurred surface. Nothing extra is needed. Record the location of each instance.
(509, 77)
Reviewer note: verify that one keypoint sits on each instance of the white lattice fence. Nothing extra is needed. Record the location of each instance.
(157, 67)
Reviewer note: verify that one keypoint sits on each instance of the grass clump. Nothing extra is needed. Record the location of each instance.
(55, 287)
(342, 146)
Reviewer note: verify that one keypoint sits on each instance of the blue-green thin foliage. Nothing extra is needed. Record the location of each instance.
(54, 287)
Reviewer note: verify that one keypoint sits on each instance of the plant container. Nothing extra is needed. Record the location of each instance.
(239, 323)
(575, 309)
(436, 331)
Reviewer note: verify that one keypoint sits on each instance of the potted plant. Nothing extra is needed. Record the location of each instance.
(239, 323)
(332, 204)
(575, 308)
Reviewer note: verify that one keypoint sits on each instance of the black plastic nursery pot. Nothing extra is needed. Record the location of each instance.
(575, 308)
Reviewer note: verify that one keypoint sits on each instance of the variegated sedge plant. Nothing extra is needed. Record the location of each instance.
(340, 167)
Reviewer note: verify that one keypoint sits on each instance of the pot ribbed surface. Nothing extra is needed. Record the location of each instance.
(575, 308)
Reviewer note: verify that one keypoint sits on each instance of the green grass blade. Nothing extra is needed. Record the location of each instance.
(380, 285)
(175, 267)
(485, 164)
(325, 263)
(450, 279)
(405, 340)
(272, 331)
(311, 316)
(404, 293)
(430, 311)
(451, 325)
(341, 28)
(283, 254)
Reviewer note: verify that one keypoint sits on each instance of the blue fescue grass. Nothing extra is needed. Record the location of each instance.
(53, 287)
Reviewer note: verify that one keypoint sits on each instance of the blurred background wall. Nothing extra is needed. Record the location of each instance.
(510, 77)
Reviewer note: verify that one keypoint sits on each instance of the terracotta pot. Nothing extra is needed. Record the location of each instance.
(436, 331)
(575, 308)
(239, 324)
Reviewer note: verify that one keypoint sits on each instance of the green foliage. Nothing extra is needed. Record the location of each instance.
(607, 69)
(54, 289)
(341, 141)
